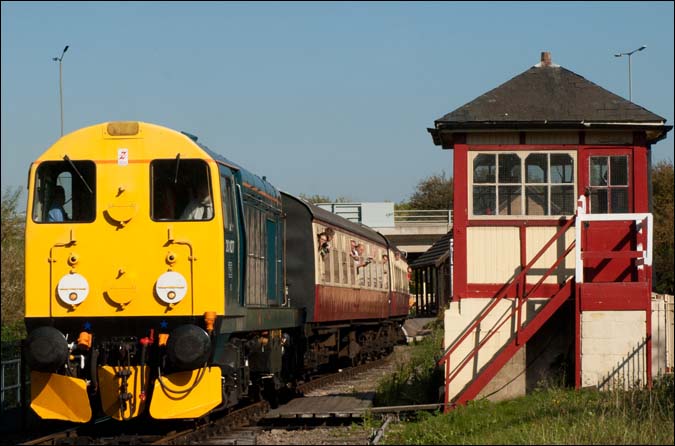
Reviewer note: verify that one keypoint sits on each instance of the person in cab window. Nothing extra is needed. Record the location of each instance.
(56, 211)
(200, 206)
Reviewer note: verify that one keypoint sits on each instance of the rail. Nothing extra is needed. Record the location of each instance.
(423, 217)
(355, 212)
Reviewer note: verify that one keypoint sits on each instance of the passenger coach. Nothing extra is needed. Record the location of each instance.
(356, 280)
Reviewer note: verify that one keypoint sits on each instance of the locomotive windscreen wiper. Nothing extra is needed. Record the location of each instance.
(65, 157)
(175, 178)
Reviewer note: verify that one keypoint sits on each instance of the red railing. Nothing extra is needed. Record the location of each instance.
(521, 293)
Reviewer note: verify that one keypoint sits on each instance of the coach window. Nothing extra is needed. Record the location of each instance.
(65, 192)
(180, 190)
(345, 261)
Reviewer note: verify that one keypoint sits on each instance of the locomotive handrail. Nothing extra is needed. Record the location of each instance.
(192, 258)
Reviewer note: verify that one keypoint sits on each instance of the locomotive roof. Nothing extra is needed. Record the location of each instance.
(246, 175)
(325, 216)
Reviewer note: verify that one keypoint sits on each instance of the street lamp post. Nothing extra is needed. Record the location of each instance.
(60, 59)
(630, 84)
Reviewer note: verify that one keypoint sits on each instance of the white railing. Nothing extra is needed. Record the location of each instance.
(646, 251)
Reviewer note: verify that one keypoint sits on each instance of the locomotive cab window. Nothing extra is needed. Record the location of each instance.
(181, 190)
(65, 192)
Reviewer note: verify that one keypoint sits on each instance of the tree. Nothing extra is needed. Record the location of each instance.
(434, 192)
(12, 237)
(662, 205)
(316, 198)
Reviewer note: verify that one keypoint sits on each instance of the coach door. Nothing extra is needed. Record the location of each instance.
(232, 242)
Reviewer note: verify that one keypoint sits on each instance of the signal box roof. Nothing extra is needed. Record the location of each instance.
(548, 96)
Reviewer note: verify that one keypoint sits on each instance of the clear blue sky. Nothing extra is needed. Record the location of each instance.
(327, 98)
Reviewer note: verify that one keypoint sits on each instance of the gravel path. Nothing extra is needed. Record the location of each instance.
(355, 434)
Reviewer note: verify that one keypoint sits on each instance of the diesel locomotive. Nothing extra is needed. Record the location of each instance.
(163, 280)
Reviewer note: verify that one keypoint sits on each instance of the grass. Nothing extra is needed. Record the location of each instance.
(418, 380)
(551, 416)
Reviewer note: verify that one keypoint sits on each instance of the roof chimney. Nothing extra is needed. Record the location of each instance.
(545, 59)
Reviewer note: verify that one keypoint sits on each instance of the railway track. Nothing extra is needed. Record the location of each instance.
(163, 433)
(233, 425)
(255, 423)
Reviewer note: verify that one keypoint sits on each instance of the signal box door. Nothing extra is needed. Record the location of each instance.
(606, 180)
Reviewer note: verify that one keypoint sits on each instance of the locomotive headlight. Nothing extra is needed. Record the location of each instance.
(171, 287)
(72, 289)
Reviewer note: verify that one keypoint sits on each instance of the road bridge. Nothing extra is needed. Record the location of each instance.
(412, 231)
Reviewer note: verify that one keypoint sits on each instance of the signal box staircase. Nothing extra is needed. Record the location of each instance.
(570, 289)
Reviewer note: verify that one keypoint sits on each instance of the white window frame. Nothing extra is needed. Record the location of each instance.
(473, 153)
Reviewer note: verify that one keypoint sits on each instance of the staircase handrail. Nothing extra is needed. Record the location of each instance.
(494, 330)
(450, 349)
